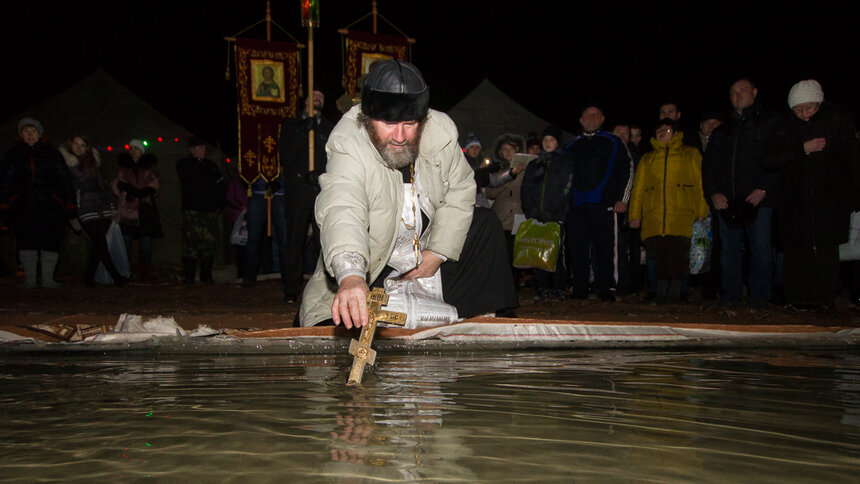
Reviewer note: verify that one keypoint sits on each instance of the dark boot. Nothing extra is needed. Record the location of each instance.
(90, 276)
(662, 291)
(206, 270)
(189, 265)
(118, 279)
(673, 295)
(147, 271)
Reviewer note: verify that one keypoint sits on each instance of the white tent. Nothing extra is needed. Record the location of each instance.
(488, 112)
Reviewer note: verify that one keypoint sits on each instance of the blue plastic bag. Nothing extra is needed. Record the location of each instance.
(116, 247)
(700, 246)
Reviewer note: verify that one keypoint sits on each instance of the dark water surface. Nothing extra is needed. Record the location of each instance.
(537, 416)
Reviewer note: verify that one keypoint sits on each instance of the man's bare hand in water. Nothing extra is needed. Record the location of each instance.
(350, 302)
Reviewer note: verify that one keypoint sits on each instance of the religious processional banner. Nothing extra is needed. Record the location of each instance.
(268, 94)
(363, 49)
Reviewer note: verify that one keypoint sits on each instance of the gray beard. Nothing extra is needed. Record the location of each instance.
(401, 158)
(398, 160)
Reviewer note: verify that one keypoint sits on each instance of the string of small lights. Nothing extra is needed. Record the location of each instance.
(146, 144)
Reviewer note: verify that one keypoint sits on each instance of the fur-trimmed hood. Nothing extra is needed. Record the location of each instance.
(72, 160)
(515, 139)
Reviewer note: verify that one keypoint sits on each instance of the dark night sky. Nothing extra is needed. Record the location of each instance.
(628, 57)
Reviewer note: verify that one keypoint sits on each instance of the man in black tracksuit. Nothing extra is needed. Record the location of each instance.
(601, 177)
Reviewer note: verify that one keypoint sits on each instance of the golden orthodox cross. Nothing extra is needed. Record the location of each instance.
(362, 353)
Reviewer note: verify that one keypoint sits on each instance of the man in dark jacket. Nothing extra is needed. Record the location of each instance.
(545, 197)
(814, 147)
(601, 176)
(736, 186)
(302, 188)
(204, 193)
(710, 280)
(671, 109)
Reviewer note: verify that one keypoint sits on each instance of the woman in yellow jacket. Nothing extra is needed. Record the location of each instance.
(667, 198)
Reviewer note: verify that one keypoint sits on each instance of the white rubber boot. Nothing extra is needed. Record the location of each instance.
(29, 259)
(49, 263)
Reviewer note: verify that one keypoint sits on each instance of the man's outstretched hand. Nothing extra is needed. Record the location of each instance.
(350, 302)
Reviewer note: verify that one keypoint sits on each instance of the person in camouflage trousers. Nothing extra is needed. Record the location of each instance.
(199, 243)
(203, 190)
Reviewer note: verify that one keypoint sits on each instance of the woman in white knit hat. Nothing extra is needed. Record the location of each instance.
(814, 149)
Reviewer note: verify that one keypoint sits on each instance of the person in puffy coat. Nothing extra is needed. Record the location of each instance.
(136, 186)
(667, 198)
(545, 195)
(95, 206)
(814, 152)
(36, 200)
(506, 197)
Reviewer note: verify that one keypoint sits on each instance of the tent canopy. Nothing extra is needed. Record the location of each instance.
(488, 112)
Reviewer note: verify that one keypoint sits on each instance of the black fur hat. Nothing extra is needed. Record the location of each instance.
(395, 91)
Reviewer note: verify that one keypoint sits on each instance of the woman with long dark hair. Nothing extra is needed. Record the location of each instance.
(95, 206)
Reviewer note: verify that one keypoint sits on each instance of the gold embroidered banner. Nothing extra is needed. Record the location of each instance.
(363, 49)
(268, 93)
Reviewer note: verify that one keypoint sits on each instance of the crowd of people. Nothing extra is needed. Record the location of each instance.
(774, 190)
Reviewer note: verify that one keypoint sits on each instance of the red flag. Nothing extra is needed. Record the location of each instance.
(267, 85)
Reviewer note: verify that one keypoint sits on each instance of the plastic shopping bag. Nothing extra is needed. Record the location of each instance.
(239, 235)
(851, 250)
(536, 245)
(700, 246)
(116, 248)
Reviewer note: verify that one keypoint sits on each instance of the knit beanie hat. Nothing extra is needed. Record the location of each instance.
(532, 140)
(138, 143)
(553, 131)
(471, 139)
(395, 91)
(31, 122)
(808, 91)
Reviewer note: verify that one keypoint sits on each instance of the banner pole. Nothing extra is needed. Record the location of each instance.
(310, 102)
(268, 21)
(268, 194)
(268, 216)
